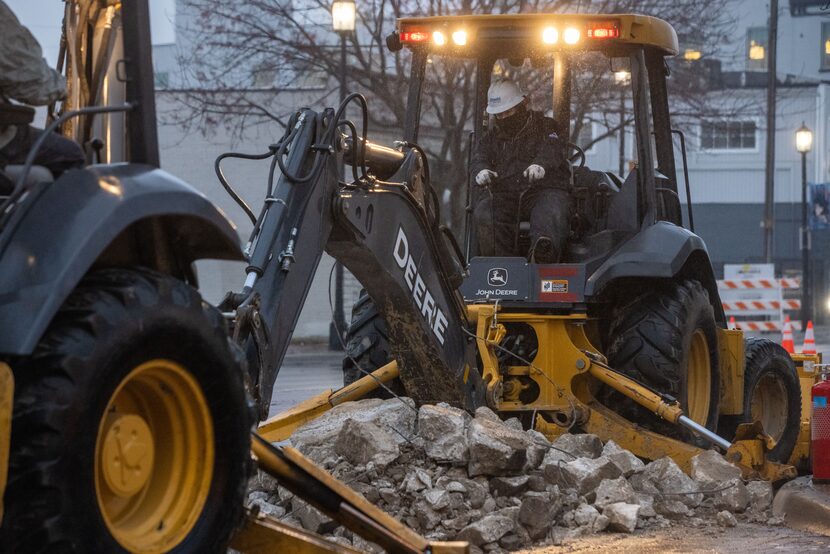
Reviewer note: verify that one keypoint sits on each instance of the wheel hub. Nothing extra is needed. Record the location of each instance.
(128, 454)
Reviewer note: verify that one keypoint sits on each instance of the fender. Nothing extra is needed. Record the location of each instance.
(123, 214)
(660, 251)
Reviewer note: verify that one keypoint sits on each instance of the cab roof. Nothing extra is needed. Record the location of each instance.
(468, 35)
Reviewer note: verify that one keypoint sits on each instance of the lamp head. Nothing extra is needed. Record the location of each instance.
(343, 16)
(803, 139)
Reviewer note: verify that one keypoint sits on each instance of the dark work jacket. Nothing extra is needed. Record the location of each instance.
(509, 156)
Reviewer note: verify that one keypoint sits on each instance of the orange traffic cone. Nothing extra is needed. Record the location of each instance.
(787, 339)
(809, 340)
(732, 325)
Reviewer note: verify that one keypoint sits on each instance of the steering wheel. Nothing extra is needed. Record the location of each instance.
(579, 154)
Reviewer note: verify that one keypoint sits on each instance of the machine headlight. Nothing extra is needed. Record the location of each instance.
(550, 35)
(571, 35)
(459, 37)
(439, 38)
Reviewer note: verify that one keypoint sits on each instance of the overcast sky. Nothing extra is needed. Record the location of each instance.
(43, 18)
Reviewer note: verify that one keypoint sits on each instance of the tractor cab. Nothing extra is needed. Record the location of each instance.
(575, 69)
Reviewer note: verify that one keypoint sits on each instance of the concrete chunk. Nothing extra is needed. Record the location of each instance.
(734, 498)
(509, 486)
(611, 491)
(760, 495)
(665, 476)
(621, 516)
(585, 474)
(584, 515)
(361, 442)
(444, 430)
(316, 438)
(580, 445)
(496, 449)
(726, 519)
(488, 529)
(628, 463)
(711, 470)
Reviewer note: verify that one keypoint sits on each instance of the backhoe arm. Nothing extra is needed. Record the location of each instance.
(383, 233)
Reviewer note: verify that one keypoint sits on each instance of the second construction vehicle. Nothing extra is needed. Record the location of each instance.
(626, 339)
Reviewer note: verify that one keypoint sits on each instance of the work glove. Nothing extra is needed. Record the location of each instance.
(534, 173)
(485, 177)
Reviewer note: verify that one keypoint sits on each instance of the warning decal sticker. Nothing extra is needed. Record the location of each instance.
(552, 286)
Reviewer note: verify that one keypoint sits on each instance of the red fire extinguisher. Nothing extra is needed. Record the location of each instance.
(820, 431)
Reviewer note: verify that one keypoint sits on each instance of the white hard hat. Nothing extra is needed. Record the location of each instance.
(503, 95)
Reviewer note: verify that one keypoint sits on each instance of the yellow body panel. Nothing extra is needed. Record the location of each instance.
(6, 406)
(805, 364)
(732, 367)
(634, 29)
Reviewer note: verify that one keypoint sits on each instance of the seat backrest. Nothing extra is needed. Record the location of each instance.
(37, 174)
(15, 114)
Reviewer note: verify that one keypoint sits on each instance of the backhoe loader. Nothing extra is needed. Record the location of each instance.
(126, 402)
(625, 339)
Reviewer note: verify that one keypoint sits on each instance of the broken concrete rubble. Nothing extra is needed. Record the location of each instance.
(444, 430)
(452, 476)
(361, 442)
(621, 516)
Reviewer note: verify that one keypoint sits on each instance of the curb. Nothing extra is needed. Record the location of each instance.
(804, 505)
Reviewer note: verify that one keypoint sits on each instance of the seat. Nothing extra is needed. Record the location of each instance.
(15, 115)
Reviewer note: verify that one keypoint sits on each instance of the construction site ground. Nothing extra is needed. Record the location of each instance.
(310, 368)
(745, 537)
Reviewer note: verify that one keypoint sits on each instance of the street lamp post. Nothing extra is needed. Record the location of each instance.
(343, 23)
(804, 143)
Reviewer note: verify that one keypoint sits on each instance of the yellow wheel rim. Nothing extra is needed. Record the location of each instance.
(154, 457)
(699, 379)
(769, 405)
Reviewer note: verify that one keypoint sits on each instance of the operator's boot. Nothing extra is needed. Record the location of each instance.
(543, 251)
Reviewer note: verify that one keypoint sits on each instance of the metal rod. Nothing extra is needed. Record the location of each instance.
(769, 169)
(806, 297)
(682, 136)
(622, 133)
(339, 324)
(698, 429)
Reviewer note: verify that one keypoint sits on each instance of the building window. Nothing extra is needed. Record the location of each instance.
(825, 46)
(585, 138)
(728, 135)
(756, 48)
(162, 79)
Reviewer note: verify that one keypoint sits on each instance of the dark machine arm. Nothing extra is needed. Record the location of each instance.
(384, 233)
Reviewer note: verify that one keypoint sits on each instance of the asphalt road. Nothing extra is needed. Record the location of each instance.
(306, 371)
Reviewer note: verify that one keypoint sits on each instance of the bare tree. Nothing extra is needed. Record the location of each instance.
(240, 59)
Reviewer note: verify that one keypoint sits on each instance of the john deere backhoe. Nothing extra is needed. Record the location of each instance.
(124, 406)
(625, 339)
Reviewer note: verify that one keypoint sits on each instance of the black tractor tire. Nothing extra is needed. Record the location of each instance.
(772, 394)
(128, 345)
(666, 338)
(367, 346)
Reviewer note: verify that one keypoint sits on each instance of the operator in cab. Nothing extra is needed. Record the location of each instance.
(522, 164)
(26, 77)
